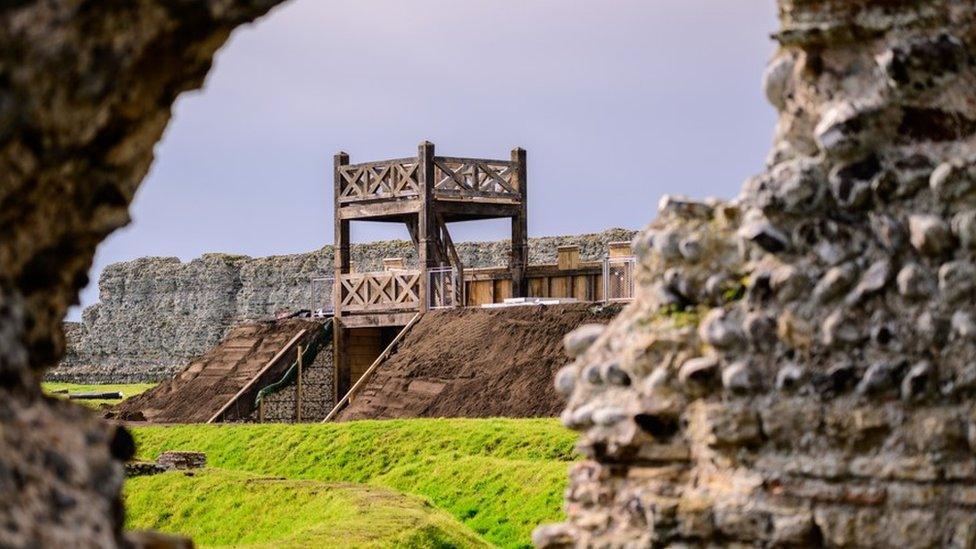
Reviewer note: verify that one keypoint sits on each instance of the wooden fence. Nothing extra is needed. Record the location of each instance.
(379, 291)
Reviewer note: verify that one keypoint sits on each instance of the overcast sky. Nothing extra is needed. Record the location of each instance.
(616, 101)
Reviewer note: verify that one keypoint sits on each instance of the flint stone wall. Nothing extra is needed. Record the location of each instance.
(155, 314)
(85, 93)
(799, 368)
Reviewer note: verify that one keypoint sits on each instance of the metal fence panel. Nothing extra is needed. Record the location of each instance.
(618, 278)
(320, 296)
(444, 291)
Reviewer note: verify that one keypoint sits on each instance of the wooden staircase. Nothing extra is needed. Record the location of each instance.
(218, 385)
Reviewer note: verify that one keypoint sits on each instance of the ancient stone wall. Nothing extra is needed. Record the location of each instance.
(85, 93)
(800, 366)
(155, 314)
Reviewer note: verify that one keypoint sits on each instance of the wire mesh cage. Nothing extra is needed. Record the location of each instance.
(444, 289)
(618, 278)
(320, 296)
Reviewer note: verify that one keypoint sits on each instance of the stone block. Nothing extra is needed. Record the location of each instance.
(789, 422)
(716, 424)
(741, 520)
(181, 461)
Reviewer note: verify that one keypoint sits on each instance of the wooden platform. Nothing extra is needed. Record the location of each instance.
(425, 193)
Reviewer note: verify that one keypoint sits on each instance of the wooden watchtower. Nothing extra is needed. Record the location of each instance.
(426, 193)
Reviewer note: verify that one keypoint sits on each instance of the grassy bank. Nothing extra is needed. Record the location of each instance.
(500, 477)
(220, 508)
(127, 389)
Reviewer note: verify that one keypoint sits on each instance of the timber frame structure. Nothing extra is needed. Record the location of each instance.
(425, 193)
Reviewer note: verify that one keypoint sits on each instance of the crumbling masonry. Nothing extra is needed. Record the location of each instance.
(85, 93)
(800, 366)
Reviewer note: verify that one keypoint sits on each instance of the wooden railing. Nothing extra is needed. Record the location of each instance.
(475, 178)
(452, 178)
(380, 291)
(399, 178)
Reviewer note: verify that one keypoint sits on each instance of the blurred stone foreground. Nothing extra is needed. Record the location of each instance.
(85, 92)
(798, 369)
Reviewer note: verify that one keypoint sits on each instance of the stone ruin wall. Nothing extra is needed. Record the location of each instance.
(155, 314)
(800, 364)
(85, 93)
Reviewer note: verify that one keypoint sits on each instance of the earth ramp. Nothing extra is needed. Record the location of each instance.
(475, 362)
(222, 384)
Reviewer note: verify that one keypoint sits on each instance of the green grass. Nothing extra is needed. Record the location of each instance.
(220, 508)
(127, 390)
(500, 477)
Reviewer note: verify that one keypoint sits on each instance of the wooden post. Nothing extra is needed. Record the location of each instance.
(341, 365)
(261, 411)
(520, 234)
(341, 249)
(298, 388)
(336, 358)
(425, 157)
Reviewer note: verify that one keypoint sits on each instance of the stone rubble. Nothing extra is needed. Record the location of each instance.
(181, 460)
(806, 376)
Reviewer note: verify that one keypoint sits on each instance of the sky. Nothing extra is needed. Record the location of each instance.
(616, 101)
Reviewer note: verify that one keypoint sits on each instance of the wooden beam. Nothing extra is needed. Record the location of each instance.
(340, 250)
(336, 358)
(520, 232)
(412, 230)
(298, 388)
(533, 271)
(425, 156)
(376, 319)
(463, 209)
(389, 162)
(489, 161)
(392, 211)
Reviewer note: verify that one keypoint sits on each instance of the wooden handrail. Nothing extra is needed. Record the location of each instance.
(274, 360)
(369, 371)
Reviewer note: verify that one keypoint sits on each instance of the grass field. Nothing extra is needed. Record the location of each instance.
(222, 508)
(127, 390)
(496, 478)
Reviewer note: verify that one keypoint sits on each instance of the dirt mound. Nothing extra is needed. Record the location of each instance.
(476, 363)
(211, 380)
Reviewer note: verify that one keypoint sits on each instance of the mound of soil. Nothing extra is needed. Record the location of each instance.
(202, 388)
(476, 363)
